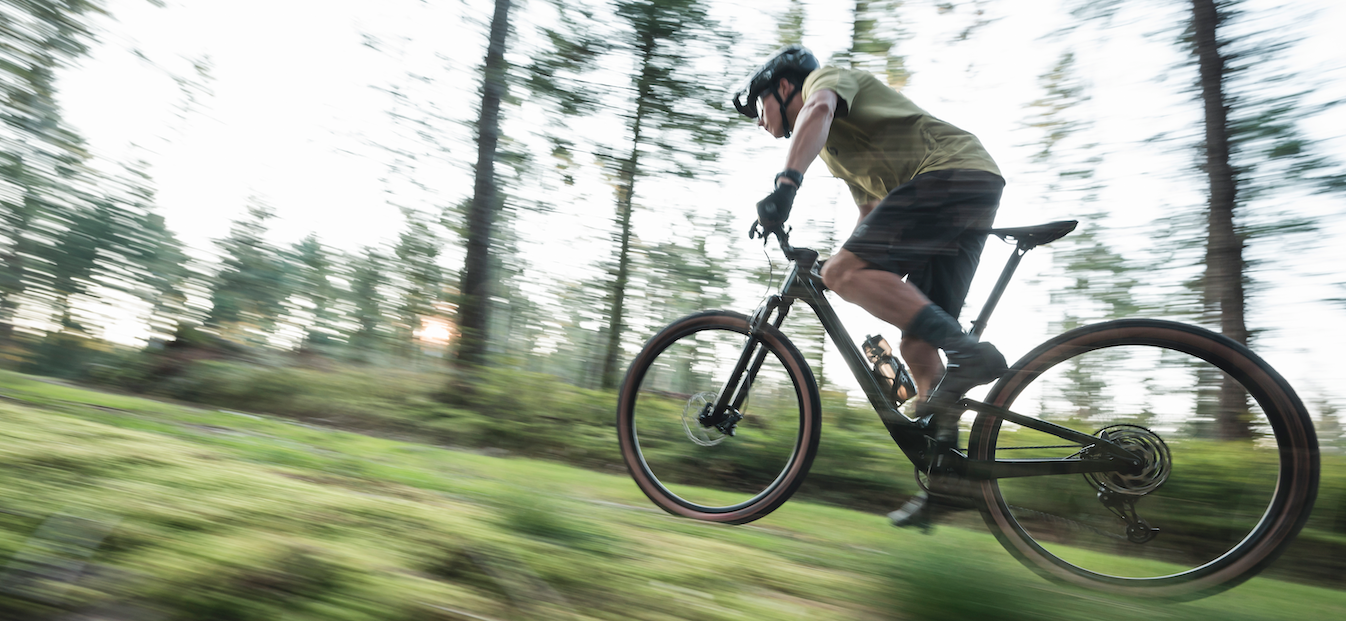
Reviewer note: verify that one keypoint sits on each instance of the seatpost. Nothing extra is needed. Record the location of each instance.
(979, 326)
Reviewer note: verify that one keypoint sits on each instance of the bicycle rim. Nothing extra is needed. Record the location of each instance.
(703, 472)
(1231, 462)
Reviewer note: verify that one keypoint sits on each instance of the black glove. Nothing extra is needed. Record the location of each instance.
(774, 210)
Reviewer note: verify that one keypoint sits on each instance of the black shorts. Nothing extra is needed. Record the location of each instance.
(931, 230)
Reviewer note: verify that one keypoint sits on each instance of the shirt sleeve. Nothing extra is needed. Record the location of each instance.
(859, 194)
(831, 78)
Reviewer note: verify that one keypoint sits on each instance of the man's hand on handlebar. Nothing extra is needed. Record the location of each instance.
(774, 210)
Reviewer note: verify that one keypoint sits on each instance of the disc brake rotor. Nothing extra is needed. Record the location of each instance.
(705, 436)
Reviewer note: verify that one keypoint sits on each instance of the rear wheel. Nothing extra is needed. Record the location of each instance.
(731, 473)
(1230, 460)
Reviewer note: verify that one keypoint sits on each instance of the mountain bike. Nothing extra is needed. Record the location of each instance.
(1111, 457)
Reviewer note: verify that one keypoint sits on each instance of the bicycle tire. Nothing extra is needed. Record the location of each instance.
(1269, 457)
(739, 478)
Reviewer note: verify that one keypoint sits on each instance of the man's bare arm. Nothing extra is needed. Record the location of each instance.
(811, 129)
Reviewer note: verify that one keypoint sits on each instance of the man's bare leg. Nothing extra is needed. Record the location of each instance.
(884, 294)
(923, 360)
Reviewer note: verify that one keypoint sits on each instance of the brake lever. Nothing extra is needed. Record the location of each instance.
(757, 230)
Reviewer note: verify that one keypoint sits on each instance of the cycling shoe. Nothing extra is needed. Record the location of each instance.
(968, 368)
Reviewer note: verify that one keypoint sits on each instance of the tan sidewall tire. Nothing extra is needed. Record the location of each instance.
(1295, 492)
(806, 391)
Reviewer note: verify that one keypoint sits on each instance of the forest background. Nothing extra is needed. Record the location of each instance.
(301, 177)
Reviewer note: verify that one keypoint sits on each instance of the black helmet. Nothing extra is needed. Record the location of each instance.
(792, 61)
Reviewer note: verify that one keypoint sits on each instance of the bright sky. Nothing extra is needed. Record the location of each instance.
(296, 107)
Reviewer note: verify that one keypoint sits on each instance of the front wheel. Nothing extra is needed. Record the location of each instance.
(731, 473)
(1229, 460)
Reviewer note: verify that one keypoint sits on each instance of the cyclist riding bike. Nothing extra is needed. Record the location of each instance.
(927, 192)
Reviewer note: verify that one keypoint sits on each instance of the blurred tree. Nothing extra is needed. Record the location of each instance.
(670, 113)
(474, 301)
(1329, 427)
(876, 28)
(367, 278)
(73, 259)
(312, 274)
(1223, 286)
(790, 24)
(685, 276)
(498, 196)
(557, 81)
(1101, 281)
(579, 335)
(555, 76)
(248, 294)
(38, 152)
(1252, 147)
(417, 250)
(164, 276)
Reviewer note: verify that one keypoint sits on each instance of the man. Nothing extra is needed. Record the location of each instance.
(927, 191)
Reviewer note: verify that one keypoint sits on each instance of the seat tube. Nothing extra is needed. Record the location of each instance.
(979, 326)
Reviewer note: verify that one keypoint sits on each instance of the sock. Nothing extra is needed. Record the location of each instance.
(936, 327)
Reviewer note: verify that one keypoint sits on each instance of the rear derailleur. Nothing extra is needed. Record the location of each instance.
(1124, 507)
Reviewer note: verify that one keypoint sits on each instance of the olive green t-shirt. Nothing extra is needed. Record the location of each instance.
(879, 139)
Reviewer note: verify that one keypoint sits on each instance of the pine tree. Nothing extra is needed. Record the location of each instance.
(1252, 147)
(671, 113)
(248, 294)
(39, 154)
(474, 303)
(312, 280)
(367, 280)
(1101, 281)
(417, 250)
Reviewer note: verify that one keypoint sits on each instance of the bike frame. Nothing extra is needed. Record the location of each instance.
(913, 436)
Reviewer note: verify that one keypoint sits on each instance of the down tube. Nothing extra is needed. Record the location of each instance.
(809, 293)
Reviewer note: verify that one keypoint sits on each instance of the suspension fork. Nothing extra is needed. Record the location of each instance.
(736, 386)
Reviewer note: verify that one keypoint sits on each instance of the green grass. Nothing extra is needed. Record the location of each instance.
(214, 515)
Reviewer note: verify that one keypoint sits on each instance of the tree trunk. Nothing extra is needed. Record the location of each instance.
(625, 193)
(1223, 283)
(474, 309)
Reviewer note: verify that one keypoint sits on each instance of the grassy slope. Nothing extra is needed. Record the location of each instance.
(226, 516)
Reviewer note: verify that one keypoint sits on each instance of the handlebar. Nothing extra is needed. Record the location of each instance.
(804, 257)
